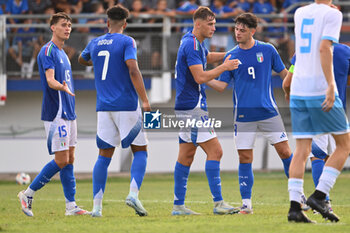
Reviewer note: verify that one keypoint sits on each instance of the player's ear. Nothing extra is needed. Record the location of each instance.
(253, 30)
(108, 23)
(52, 27)
(124, 26)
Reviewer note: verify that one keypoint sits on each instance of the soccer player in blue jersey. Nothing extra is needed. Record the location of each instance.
(315, 105)
(118, 83)
(190, 104)
(254, 105)
(324, 145)
(58, 114)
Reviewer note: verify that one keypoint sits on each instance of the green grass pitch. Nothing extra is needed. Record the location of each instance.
(270, 202)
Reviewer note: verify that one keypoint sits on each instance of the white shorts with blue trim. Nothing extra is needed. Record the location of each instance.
(308, 118)
(61, 134)
(120, 128)
(322, 145)
(271, 128)
(195, 135)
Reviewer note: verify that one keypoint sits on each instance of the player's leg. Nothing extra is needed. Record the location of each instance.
(273, 129)
(334, 121)
(331, 171)
(244, 135)
(214, 152)
(57, 144)
(138, 169)
(295, 182)
(185, 158)
(107, 139)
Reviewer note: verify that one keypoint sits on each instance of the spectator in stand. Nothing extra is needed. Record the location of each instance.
(245, 5)
(136, 9)
(224, 14)
(16, 7)
(187, 8)
(288, 3)
(68, 6)
(161, 10)
(38, 6)
(109, 3)
(263, 7)
(24, 49)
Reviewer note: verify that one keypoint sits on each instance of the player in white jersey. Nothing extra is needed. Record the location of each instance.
(119, 85)
(58, 114)
(315, 105)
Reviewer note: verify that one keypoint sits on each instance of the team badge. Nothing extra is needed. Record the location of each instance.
(260, 57)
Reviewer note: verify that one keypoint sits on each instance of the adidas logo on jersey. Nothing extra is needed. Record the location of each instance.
(283, 135)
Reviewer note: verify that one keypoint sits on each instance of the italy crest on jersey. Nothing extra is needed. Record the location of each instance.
(260, 57)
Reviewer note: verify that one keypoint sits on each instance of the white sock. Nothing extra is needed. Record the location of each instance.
(327, 179)
(295, 188)
(98, 202)
(247, 202)
(29, 192)
(134, 189)
(70, 205)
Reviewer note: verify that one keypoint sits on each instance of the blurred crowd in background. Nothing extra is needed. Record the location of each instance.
(24, 43)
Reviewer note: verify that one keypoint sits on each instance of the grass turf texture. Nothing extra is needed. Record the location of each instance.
(270, 202)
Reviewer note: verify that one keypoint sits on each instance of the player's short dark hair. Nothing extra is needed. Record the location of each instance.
(248, 19)
(60, 15)
(117, 13)
(203, 13)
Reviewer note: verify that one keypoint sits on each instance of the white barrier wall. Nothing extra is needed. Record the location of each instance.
(27, 151)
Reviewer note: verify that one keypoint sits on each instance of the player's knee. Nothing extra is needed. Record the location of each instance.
(62, 162)
(245, 158)
(284, 153)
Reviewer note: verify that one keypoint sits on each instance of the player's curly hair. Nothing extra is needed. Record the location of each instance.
(248, 19)
(117, 13)
(203, 13)
(60, 15)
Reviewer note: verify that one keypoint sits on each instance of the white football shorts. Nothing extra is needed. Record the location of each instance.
(122, 127)
(322, 146)
(191, 132)
(272, 128)
(61, 134)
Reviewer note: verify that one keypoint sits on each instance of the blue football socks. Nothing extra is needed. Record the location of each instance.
(138, 169)
(286, 164)
(317, 168)
(212, 170)
(181, 174)
(45, 175)
(99, 176)
(68, 182)
(246, 180)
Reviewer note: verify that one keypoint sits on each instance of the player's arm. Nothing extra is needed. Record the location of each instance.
(137, 81)
(283, 73)
(217, 85)
(348, 80)
(83, 62)
(213, 57)
(326, 57)
(287, 81)
(54, 84)
(201, 76)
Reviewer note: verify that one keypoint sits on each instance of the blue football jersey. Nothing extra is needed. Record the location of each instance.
(341, 68)
(115, 90)
(188, 91)
(56, 103)
(252, 92)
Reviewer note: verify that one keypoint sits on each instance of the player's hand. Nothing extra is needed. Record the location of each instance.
(230, 64)
(330, 98)
(66, 88)
(146, 107)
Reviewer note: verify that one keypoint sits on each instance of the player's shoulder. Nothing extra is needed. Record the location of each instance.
(342, 49)
(232, 51)
(265, 45)
(48, 49)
